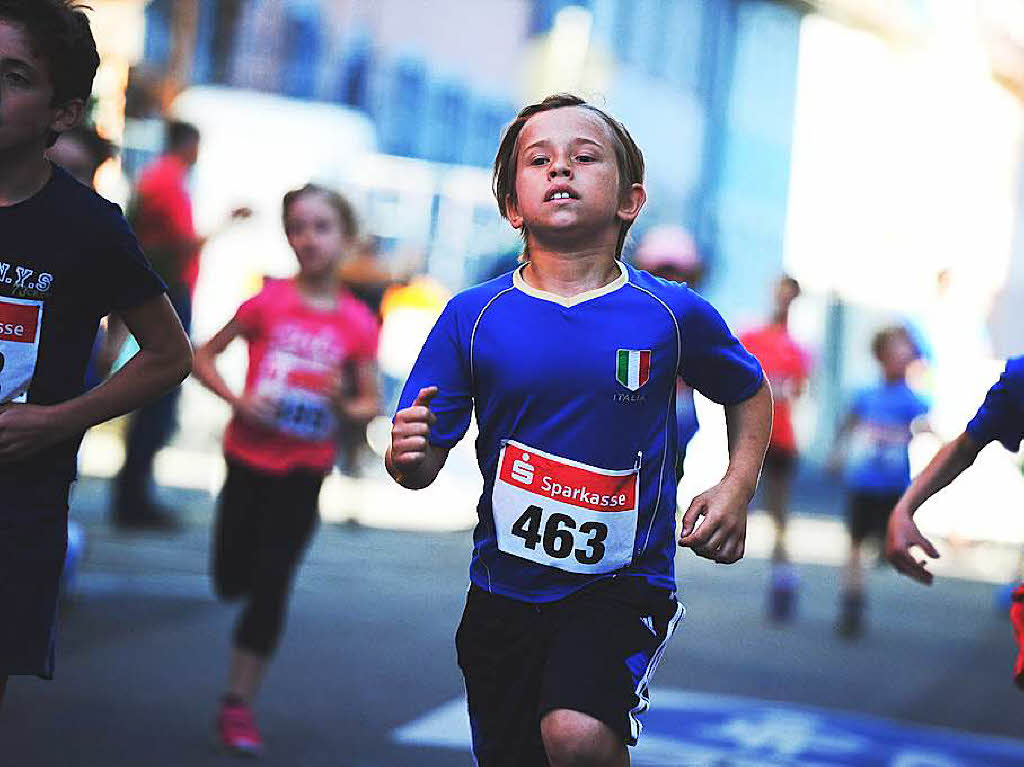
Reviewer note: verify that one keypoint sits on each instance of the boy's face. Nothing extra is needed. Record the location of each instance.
(27, 115)
(897, 354)
(567, 179)
(316, 234)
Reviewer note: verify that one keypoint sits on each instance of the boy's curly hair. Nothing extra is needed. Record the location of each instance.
(61, 36)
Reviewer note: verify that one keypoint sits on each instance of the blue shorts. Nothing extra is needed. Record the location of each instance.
(594, 652)
(33, 541)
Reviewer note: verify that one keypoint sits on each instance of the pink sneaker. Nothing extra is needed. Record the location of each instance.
(237, 731)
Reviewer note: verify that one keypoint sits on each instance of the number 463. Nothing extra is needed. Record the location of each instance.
(559, 535)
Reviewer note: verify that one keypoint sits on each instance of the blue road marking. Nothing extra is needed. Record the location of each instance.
(700, 729)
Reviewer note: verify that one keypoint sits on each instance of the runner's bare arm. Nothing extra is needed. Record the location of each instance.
(254, 409)
(411, 460)
(365, 404)
(722, 533)
(951, 460)
(163, 361)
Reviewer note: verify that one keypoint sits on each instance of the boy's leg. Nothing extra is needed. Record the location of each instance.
(782, 590)
(860, 513)
(33, 544)
(501, 645)
(574, 739)
(607, 643)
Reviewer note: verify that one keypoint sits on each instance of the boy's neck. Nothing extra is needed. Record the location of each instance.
(568, 274)
(23, 172)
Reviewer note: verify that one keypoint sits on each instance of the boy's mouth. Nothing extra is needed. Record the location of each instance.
(560, 193)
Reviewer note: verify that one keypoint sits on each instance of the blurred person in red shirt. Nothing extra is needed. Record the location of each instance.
(161, 214)
(787, 366)
(302, 334)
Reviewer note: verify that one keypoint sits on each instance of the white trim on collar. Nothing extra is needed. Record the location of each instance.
(519, 282)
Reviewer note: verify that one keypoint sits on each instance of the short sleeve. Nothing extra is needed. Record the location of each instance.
(712, 360)
(367, 335)
(249, 315)
(128, 280)
(1001, 416)
(444, 362)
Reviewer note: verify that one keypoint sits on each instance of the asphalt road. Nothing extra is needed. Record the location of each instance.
(369, 650)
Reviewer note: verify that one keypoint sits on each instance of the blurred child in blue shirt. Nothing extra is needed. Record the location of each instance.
(877, 433)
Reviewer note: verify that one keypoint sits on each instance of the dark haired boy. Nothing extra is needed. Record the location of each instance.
(67, 257)
(570, 365)
(878, 461)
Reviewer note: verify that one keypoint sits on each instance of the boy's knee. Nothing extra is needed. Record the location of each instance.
(574, 739)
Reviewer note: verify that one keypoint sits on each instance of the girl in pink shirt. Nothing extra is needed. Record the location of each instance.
(302, 332)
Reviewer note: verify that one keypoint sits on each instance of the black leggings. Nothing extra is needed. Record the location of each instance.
(264, 522)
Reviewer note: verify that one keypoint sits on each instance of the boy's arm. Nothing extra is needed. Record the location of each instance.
(411, 460)
(722, 533)
(162, 362)
(951, 460)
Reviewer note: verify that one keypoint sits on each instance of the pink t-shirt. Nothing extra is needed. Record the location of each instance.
(294, 351)
(787, 366)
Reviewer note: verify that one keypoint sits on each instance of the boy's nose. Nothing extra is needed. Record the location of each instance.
(558, 168)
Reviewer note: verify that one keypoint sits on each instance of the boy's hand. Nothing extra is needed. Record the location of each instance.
(722, 533)
(27, 429)
(255, 409)
(410, 431)
(901, 535)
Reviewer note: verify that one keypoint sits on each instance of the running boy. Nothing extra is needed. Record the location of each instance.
(878, 467)
(1000, 418)
(786, 365)
(302, 334)
(569, 363)
(67, 258)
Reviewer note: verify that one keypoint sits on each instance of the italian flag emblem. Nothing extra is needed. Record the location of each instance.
(632, 368)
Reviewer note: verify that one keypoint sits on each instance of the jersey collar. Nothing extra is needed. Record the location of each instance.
(567, 301)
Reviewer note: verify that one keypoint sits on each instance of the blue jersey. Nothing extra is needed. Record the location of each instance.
(1001, 415)
(879, 458)
(575, 404)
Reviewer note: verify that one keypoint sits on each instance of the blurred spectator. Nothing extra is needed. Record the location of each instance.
(364, 275)
(81, 151)
(161, 214)
(787, 367)
(669, 252)
(878, 429)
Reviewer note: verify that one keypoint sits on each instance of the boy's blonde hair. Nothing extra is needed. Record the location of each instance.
(628, 157)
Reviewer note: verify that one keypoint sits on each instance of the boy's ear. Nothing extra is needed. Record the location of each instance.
(512, 212)
(631, 202)
(67, 115)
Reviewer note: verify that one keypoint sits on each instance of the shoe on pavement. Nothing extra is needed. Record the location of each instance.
(236, 730)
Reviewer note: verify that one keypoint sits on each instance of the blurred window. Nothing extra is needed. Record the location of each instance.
(355, 73)
(303, 44)
(158, 32)
(404, 118)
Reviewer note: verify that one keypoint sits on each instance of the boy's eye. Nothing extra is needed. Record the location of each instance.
(584, 158)
(17, 79)
(538, 160)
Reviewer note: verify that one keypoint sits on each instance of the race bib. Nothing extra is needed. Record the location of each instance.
(296, 387)
(20, 323)
(564, 514)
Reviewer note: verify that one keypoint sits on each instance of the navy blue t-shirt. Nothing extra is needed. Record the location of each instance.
(67, 258)
(575, 404)
(1001, 415)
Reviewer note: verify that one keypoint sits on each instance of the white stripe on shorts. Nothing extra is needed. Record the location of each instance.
(642, 689)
